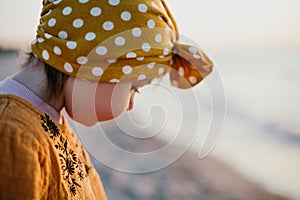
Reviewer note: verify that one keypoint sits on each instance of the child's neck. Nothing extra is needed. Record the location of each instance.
(34, 78)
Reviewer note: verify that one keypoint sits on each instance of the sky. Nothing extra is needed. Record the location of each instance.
(215, 24)
(256, 24)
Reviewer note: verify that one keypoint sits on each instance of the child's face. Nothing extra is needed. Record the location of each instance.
(89, 102)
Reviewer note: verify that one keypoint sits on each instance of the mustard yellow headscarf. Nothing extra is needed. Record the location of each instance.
(115, 41)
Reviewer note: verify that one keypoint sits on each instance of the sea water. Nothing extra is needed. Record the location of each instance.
(260, 137)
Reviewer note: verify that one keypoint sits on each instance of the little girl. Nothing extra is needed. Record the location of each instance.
(89, 57)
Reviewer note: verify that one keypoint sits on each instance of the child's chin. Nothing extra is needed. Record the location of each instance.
(93, 120)
(84, 121)
(88, 123)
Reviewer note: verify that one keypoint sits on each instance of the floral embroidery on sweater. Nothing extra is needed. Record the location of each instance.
(73, 168)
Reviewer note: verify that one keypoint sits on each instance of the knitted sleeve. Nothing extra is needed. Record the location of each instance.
(22, 174)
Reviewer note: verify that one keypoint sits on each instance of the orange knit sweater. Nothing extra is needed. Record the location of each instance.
(40, 159)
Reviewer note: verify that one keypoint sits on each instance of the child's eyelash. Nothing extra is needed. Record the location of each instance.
(135, 89)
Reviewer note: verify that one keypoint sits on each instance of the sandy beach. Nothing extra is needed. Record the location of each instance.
(188, 178)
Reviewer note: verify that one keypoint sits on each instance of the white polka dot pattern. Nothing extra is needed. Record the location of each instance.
(78, 23)
(142, 77)
(151, 23)
(181, 71)
(126, 16)
(52, 22)
(168, 31)
(83, 1)
(154, 5)
(192, 79)
(57, 50)
(96, 11)
(57, 2)
(68, 67)
(151, 65)
(158, 38)
(146, 47)
(108, 25)
(48, 36)
(140, 58)
(45, 55)
(166, 51)
(197, 56)
(115, 41)
(40, 40)
(102, 50)
(48, 13)
(71, 45)
(131, 55)
(114, 80)
(90, 36)
(63, 35)
(120, 41)
(193, 50)
(127, 69)
(67, 10)
(112, 60)
(136, 32)
(142, 8)
(97, 71)
(34, 42)
(114, 2)
(161, 71)
(82, 60)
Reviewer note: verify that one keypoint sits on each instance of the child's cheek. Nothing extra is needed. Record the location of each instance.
(110, 103)
(78, 101)
(89, 103)
(81, 109)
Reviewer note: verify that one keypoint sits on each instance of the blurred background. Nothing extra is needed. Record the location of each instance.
(256, 150)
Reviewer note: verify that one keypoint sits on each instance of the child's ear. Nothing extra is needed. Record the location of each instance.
(35, 61)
